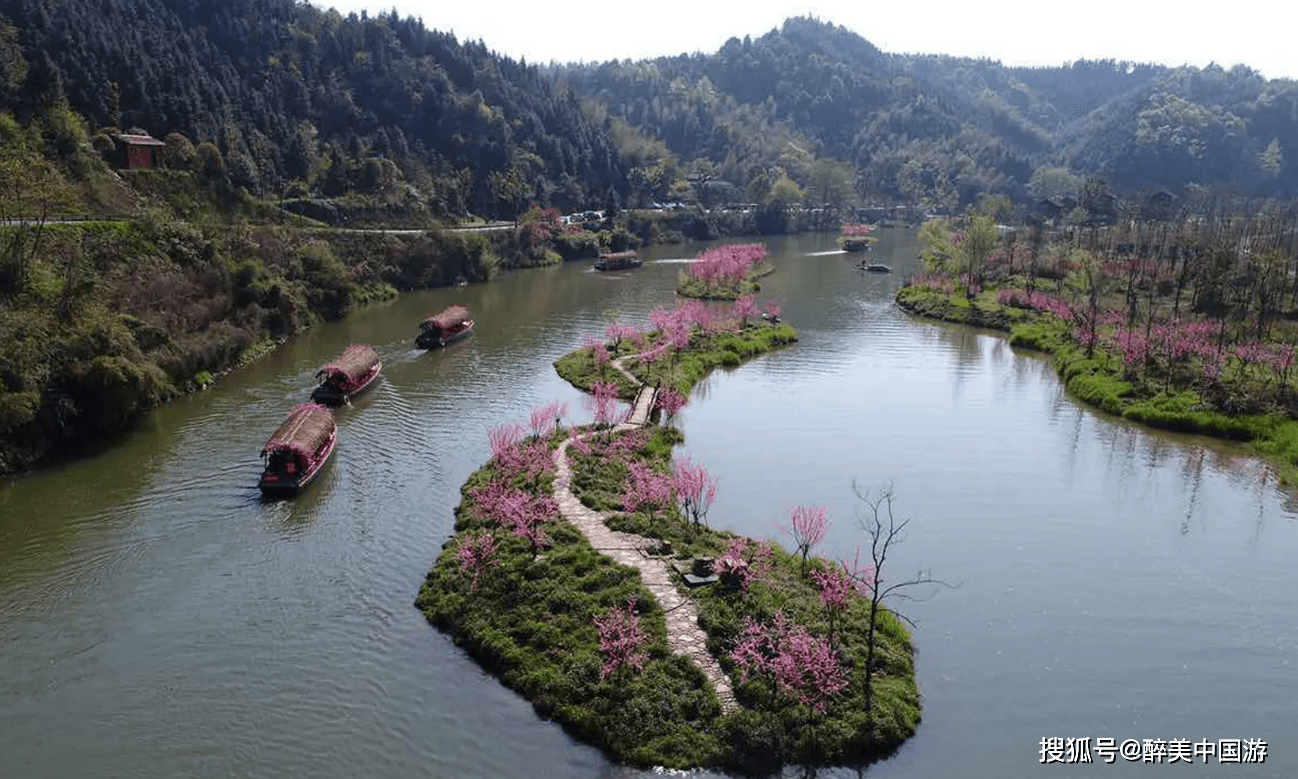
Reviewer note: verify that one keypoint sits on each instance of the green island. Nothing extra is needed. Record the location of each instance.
(1166, 328)
(725, 273)
(569, 577)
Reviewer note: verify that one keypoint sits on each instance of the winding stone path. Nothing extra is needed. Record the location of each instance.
(684, 637)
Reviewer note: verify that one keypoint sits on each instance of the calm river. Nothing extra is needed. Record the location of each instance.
(158, 620)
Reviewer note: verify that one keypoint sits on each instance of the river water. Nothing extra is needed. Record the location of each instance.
(157, 619)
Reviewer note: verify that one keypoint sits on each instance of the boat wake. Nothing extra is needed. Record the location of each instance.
(825, 253)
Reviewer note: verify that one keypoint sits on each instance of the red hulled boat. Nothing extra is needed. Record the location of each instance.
(353, 372)
(297, 451)
(450, 325)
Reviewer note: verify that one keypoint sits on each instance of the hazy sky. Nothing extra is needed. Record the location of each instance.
(1257, 33)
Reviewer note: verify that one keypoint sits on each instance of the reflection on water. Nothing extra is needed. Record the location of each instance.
(158, 619)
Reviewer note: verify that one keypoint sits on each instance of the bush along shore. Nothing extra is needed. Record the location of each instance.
(570, 576)
(1192, 374)
(725, 273)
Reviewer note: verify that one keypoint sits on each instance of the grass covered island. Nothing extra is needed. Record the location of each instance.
(725, 273)
(1148, 339)
(567, 578)
(682, 348)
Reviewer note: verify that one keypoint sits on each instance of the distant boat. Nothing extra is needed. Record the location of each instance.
(856, 243)
(353, 372)
(618, 261)
(876, 267)
(856, 237)
(297, 451)
(450, 325)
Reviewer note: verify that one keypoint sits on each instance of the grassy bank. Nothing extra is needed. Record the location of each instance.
(1162, 397)
(530, 618)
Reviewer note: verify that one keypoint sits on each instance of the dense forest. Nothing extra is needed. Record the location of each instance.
(302, 101)
(296, 102)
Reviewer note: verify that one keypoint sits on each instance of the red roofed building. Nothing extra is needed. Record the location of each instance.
(137, 151)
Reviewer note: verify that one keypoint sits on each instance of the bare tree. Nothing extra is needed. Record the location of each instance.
(884, 529)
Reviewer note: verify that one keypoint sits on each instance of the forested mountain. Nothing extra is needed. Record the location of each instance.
(291, 93)
(295, 101)
(939, 130)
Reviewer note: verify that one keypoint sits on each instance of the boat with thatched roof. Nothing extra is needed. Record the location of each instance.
(353, 372)
(856, 237)
(618, 261)
(297, 451)
(450, 325)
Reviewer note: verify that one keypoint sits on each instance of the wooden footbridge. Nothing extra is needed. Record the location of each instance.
(644, 404)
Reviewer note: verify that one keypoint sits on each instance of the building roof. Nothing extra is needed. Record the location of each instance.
(139, 140)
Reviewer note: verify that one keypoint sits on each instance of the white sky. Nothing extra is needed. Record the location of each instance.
(1257, 33)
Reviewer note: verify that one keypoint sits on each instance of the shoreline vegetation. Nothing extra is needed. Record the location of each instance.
(770, 668)
(1154, 326)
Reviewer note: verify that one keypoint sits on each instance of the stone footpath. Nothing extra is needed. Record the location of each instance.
(684, 637)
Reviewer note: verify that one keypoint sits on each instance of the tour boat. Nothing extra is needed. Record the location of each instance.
(856, 243)
(353, 372)
(450, 325)
(856, 237)
(298, 450)
(618, 261)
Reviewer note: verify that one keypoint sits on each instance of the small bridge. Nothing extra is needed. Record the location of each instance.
(644, 404)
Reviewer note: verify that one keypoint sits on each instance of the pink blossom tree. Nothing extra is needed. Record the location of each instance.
(621, 639)
(798, 663)
(598, 353)
(617, 332)
(504, 440)
(670, 401)
(647, 488)
(807, 527)
(475, 554)
(837, 587)
(695, 489)
(604, 402)
(529, 524)
(548, 418)
(772, 311)
(745, 306)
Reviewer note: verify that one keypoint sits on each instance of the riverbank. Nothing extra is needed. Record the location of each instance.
(1109, 380)
(566, 578)
(106, 320)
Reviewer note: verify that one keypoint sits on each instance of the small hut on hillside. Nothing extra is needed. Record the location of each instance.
(135, 151)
